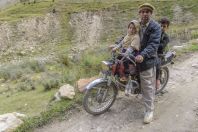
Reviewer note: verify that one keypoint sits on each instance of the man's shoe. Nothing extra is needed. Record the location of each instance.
(148, 117)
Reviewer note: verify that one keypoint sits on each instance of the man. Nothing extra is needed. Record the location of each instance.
(150, 32)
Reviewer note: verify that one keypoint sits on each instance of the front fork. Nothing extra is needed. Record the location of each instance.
(111, 81)
(106, 75)
(102, 93)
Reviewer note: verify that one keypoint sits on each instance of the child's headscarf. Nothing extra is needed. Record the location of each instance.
(136, 24)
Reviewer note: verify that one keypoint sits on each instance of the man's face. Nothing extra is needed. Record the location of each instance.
(145, 15)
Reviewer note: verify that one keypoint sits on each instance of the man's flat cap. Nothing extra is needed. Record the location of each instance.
(147, 6)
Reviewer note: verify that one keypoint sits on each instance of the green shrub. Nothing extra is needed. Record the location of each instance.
(92, 61)
(49, 84)
(11, 72)
(193, 47)
(26, 86)
(63, 59)
(70, 76)
(16, 71)
(34, 65)
(194, 34)
(50, 81)
(4, 74)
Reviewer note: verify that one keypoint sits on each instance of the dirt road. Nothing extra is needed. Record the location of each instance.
(175, 111)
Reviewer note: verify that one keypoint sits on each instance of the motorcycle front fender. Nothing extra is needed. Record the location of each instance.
(93, 83)
(100, 80)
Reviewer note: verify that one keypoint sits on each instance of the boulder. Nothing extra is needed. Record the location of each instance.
(82, 83)
(66, 92)
(10, 121)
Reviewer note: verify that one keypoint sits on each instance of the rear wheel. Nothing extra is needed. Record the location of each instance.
(164, 76)
(100, 98)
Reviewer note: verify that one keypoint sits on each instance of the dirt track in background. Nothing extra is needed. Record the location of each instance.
(175, 111)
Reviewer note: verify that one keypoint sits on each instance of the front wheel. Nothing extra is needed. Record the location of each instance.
(99, 98)
(164, 76)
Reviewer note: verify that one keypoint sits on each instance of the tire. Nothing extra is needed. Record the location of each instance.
(96, 94)
(164, 77)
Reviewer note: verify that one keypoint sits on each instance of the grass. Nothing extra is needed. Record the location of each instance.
(97, 1)
(192, 47)
(30, 103)
(16, 71)
(93, 62)
(29, 80)
(82, 68)
(54, 111)
(19, 11)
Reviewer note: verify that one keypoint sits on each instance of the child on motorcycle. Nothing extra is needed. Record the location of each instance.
(128, 45)
(164, 22)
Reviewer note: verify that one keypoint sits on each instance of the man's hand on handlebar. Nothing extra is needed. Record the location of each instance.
(139, 58)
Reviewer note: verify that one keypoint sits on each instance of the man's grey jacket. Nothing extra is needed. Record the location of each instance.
(149, 45)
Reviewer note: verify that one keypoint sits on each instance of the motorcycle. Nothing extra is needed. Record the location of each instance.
(101, 93)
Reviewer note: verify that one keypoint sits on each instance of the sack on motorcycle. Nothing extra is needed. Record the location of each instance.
(118, 68)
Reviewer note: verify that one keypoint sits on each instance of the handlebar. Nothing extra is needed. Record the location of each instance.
(130, 57)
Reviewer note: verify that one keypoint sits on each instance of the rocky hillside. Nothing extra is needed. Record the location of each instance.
(28, 36)
(87, 28)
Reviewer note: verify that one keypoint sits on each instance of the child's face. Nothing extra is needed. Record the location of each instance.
(164, 27)
(131, 29)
